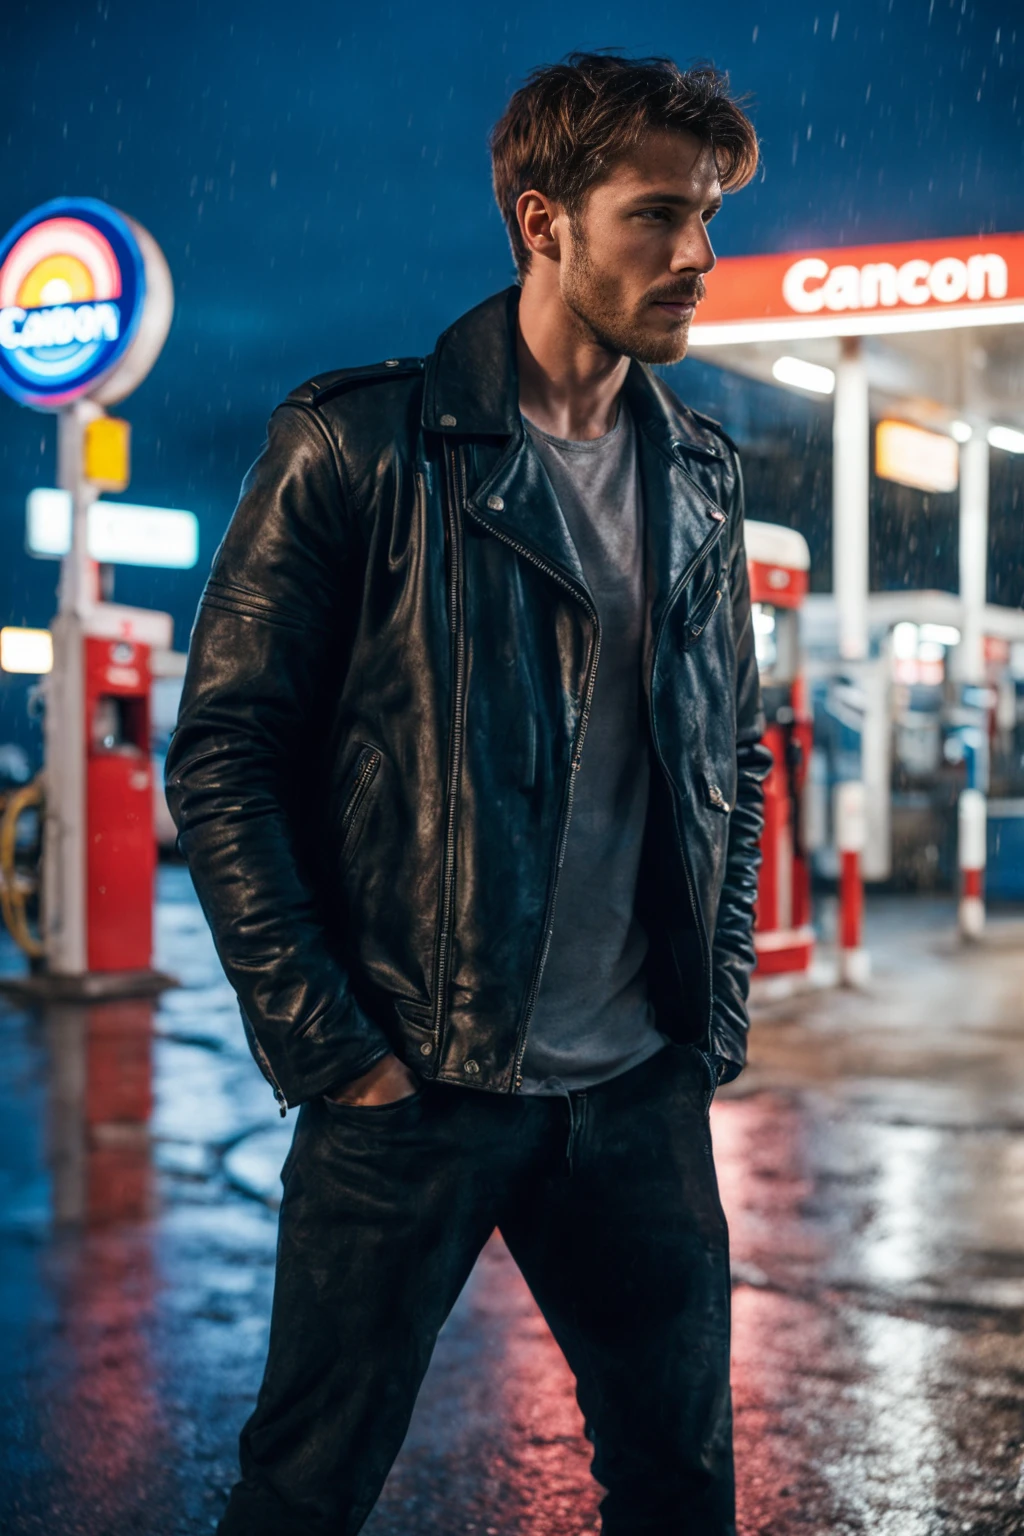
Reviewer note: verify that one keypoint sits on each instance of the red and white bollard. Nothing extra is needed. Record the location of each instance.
(972, 828)
(851, 836)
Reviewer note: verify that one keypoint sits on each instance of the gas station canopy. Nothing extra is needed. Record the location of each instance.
(933, 332)
(937, 320)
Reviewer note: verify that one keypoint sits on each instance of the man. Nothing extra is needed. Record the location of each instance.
(468, 777)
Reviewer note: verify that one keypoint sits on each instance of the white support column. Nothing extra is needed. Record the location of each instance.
(850, 470)
(973, 554)
(64, 905)
(972, 839)
(851, 837)
(876, 766)
(77, 573)
(63, 915)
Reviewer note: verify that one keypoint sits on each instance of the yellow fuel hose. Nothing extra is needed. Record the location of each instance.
(15, 885)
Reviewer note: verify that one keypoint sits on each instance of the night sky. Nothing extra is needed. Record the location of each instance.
(318, 178)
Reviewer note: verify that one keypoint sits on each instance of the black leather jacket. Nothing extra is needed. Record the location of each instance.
(386, 704)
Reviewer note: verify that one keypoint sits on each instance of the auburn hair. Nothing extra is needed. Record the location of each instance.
(566, 127)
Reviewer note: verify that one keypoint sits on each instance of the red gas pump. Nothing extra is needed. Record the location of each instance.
(100, 848)
(120, 847)
(779, 560)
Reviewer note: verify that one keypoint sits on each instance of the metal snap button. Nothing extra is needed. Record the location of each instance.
(471, 1067)
(496, 503)
(426, 1048)
(392, 362)
(448, 421)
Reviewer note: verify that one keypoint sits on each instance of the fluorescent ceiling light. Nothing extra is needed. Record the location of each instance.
(801, 375)
(1006, 439)
(26, 650)
(940, 634)
(960, 431)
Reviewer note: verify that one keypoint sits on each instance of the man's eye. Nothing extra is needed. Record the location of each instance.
(653, 213)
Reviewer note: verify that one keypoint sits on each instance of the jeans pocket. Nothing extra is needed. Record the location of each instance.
(368, 1114)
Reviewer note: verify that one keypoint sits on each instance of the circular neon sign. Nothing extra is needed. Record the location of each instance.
(73, 287)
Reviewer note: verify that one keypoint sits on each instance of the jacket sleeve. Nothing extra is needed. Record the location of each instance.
(733, 953)
(270, 629)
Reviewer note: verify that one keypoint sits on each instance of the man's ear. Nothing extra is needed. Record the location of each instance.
(537, 215)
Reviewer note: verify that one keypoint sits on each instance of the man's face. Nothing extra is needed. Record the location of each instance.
(634, 260)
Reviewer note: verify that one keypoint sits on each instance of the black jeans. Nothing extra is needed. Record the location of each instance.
(608, 1202)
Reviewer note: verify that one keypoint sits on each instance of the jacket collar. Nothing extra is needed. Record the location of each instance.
(471, 388)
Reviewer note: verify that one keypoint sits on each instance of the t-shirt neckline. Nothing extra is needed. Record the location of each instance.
(580, 444)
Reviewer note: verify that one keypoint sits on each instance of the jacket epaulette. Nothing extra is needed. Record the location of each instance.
(316, 391)
(712, 425)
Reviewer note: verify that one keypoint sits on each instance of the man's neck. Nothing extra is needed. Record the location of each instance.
(569, 385)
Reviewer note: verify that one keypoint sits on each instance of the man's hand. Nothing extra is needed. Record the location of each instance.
(387, 1080)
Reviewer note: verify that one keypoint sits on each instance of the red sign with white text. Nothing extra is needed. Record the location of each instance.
(867, 280)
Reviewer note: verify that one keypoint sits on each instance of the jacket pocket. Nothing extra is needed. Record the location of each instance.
(350, 822)
(696, 626)
(705, 607)
(709, 589)
(416, 1034)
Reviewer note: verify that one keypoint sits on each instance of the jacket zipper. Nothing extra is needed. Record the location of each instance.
(369, 763)
(268, 1073)
(577, 751)
(456, 464)
(702, 931)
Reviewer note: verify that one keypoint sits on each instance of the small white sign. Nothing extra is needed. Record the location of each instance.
(118, 532)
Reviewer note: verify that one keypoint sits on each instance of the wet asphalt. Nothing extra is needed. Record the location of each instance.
(872, 1165)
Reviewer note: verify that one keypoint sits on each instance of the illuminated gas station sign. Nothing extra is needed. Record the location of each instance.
(864, 290)
(72, 291)
(811, 284)
(86, 301)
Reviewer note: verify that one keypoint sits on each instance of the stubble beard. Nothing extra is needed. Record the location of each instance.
(595, 303)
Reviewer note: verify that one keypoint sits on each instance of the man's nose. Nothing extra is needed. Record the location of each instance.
(694, 252)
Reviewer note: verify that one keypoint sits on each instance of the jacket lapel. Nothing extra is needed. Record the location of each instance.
(471, 391)
(517, 502)
(682, 520)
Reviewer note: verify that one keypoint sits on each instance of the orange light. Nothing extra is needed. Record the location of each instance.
(25, 650)
(928, 461)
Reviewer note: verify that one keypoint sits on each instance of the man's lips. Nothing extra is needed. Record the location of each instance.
(682, 308)
(680, 305)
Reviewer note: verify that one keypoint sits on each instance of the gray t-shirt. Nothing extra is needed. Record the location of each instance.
(593, 1018)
